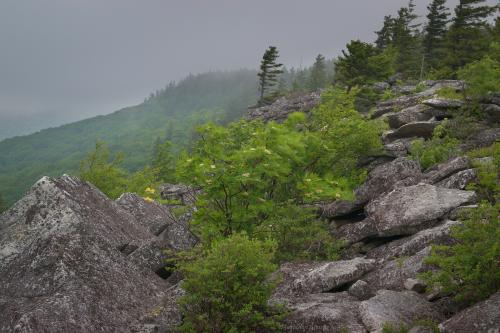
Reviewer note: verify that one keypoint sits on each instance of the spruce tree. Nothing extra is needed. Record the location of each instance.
(468, 37)
(269, 72)
(435, 32)
(385, 35)
(317, 80)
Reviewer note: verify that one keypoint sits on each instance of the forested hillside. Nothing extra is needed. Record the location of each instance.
(169, 114)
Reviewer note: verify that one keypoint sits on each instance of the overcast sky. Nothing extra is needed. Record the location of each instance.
(64, 60)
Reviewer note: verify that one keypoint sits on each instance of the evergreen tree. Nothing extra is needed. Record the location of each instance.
(353, 68)
(3, 205)
(435, 32)
(317, 80)
(269, 72)
(468, 38)
(163, 161)
(385, 35)
(406, 41)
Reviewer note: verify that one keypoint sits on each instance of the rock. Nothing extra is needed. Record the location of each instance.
(159, 220)
(354, 232)
(185, 194)
(408, 246)
(443, 103)
(484, 317)
(381, 86)
(395, 308)
(446, 169)
(405, 90)
(331, 275)
(361, 290)
(282, 107)
(384, 178)
(399, 147)
(421, 329)
(393, 274)
(457, 212)
(418, 129)
(393, 79)
(415, 285)
(412, 114)
(324, 313)
(492, 112)
(460, 180)
(483, 138)
(405, 211)
(315, 277)
(339, 209)
(381, 110)
(67, 262)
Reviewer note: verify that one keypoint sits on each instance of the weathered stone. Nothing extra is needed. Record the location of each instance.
(393, 274)
(418, 129)
(361, 290)
(408, 246)
(405, 211)
(384, 178)
(324, 313)
(457, 212)
(460, 180)
(381, 86)
(421, 329)
(415, 285)
(381, 110)
(483, 138)
(395, 308)
(282, 107)
(484, 317)
(446, 169)
(183, 193)
(308, 278)
(61, 264)
(412, 114)
(492, 112)
(339, 208)
(355, 232)
(443, 103)
(399, 148)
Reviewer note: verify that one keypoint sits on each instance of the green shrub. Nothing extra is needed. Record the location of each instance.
(488, 185)
(482, 77)
(227, 289)
(450, 93)
(470, 269)
(436, 150)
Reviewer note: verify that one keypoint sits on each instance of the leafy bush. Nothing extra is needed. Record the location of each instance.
(227, 289)
(436, 150)
(470, 269)
(450, 93)
(487, 186)
(482, 77)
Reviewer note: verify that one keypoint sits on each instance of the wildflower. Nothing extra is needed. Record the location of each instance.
(308, 180)
(319, 191)
(246, 174)
(201, 164)
(150, 190)
(212, 166)
(337, 195)
(267, 151)
(252, 149)
(209, 181)
(148, 199)
(189, 160)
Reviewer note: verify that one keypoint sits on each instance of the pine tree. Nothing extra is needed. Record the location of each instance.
(467, 39)
(317, 80)
(269, 72)
(435, 32)
(353, 67)
(407, 42)
(385, 35)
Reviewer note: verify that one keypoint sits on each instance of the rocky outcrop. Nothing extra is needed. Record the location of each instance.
(443, 103)
(283, 106)
(386, 177)
(412, 114)
(395, 308)
(446, 169)
(484, 317)
(71, 260)
(408, 210)
(459, 180)
(482, 139)
(184, 194)
(417, 129)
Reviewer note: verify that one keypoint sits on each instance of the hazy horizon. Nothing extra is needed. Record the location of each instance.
(64, 61)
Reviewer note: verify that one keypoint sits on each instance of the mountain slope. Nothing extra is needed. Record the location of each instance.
(169, 114)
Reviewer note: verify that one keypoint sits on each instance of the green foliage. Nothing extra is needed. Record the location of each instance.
(435, 33)
(3, 204)
(163, 162)
(269, 73)
(318, 79)
(436, 150)
(104, 171)
(487, 186)
(449, 93)
(482, 77)
(228, 287)
(470, 268)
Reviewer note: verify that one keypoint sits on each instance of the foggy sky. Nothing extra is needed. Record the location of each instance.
(64, 60)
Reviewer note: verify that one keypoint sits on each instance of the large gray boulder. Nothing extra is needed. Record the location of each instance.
(459, 180)
(283, 106)
(395, 308)
(407, 210)
(339, 208)
(399, 147)
(484, 317)
(446, 169)
(354, 232)
(412, 114)
(299, 279)
(483, 138)
(384, 178)
(69, 263)
(324, 313)
(443, 103)
(417, 129)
